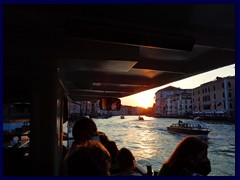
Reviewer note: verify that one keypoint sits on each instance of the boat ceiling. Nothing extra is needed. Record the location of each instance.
(115, 50)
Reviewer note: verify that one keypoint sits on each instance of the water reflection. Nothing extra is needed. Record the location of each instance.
(151, 143)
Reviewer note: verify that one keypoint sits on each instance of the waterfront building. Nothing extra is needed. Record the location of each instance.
(173, 102)
(215, 99)
(211, 100)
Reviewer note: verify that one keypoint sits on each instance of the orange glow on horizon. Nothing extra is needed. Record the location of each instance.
(144, 99)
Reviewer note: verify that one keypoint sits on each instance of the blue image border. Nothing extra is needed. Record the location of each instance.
(237, 62)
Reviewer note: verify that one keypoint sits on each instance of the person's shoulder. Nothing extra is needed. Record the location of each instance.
(168, 171)
(165, 171)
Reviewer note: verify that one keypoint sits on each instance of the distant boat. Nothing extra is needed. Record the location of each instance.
(140, 118)
(122, 117)
(188, 127)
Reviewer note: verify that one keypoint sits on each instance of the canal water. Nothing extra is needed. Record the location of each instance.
(151, 143)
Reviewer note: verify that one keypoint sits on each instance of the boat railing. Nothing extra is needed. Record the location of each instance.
(26, 144)
(192, 126)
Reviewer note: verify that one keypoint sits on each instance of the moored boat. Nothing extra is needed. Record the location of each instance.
(140, 118)
(188, 127)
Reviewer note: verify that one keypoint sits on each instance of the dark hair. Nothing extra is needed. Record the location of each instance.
(90, 159)
(83, 130)
(103, 138)
(125, 159)
(113, 150)
(188, 146)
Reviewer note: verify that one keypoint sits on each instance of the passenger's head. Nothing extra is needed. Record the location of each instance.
(83, 130)
(90, 159)
(113, 150)
(126, 159)
(191, 153)
(103, 138)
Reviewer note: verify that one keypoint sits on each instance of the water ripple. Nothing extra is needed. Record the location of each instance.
(151, 143)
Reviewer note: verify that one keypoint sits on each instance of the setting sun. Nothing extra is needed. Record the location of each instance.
(144, 100)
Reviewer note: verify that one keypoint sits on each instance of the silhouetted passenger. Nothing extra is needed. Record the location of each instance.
(89, 159)
(83, 130)
(188, 159)
(113, 150)
(10, 141)
(126, 163)
(103, 138)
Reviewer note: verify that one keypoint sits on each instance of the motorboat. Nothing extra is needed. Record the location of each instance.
(122, 117)
(189, 127)
(140, 118)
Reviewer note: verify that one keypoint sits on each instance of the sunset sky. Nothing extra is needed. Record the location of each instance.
(146, 98)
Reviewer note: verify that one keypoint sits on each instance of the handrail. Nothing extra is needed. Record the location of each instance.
(25, 144)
